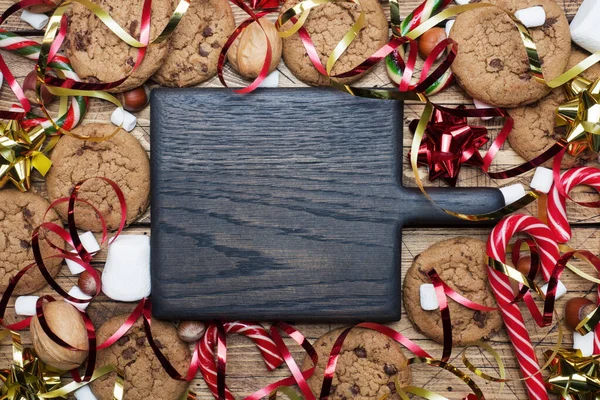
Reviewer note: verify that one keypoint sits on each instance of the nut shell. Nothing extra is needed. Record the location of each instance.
(135, 100)
(430, 39)
(190, 331)
(43, 8)
(576, 309)
(29, 84)
(87, 284)
(66, 322)
(247, 53)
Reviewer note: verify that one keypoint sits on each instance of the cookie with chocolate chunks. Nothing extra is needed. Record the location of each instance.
(145, 378)
(368, 365)
(492, 63)
(20, 214)
(99, 55)
(121, 159)
(196, 44)
(460, 262)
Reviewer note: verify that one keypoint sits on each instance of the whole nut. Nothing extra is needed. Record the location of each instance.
(43, 8)
(66, 323)
(576, 309)
(87, 284)
(190, 331)
(429, 40)
(524, 265)
(29, 89)
(135, 100)
(247, 53)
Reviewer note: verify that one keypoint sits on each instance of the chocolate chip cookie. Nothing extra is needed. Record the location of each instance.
(196, 44)
(145, 378)
(327, 25)
(460, 262)
(534, 131)
(98, 55)
(120, 159)
(20, 214)
(492, 63)
(368, 365)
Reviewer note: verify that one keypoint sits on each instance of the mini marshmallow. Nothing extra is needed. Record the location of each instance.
(129, 121)
(78, 294)
(531, 17)
(37, 21)
(584, 343)
(462, 2)
(429, 301)
(126, 275)
(84, 393)
(480, 105)
(512, 193)
(25, 305)
(542, 180)
(1, 79)
(90, 244)
(584, 26)
(271, 80)
(561, 290)
(448, 27)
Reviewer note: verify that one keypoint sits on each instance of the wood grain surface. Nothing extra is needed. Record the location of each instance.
(246, 372)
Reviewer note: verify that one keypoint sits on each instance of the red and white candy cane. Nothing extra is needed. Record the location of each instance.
(259, 336)
(511, 314)
(557, 203)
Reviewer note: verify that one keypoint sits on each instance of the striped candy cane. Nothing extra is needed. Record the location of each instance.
(259, 336)
(31, 50)
(515, 325)
(557, 204)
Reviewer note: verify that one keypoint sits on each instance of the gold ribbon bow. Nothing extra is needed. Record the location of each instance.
(581, 115)
(573, 376)
(20, 153)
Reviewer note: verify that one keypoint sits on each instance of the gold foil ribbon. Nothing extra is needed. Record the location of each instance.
(574, 376)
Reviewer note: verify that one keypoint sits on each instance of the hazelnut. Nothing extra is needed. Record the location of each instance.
(247, 53)
(29, 84)
(429, 40)
(66, 322)
(523, 266)
(577, 309)
(87, 284)
(190, 331)
(135, 100)
(48, 5)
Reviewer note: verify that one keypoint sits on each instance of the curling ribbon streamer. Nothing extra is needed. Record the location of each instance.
(208, 366)
(573, 376)
(500, 283)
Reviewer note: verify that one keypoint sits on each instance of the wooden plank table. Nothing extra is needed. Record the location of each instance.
(246, 372)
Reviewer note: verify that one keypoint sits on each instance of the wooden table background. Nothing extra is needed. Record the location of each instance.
(246, 372)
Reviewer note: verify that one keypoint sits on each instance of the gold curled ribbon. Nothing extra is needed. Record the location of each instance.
(574, 376)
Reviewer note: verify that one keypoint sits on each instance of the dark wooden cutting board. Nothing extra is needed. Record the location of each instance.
(283, 204)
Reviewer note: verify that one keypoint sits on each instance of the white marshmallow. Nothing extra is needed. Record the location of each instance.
(585, 24)
(542, 180)
(512, 193)
(90, 244)
(531, 17)
(480, 105)
(561, 290)
(123, 118)
(448, 27)
(462, 2)
(84, 393)
(78, 294)
(271, 80)
(1, 79)
(25, 305)
(38, 21)
(584, 343)
(126, 275)
(429, 301)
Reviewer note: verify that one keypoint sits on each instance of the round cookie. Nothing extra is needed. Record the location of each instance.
(534, 131)
(327, 25)
(20, 214)
(145, 378)
(460, 262)
(98, 55)
(492, 63)
(196, 44)
(366, 369)
(120, 159)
